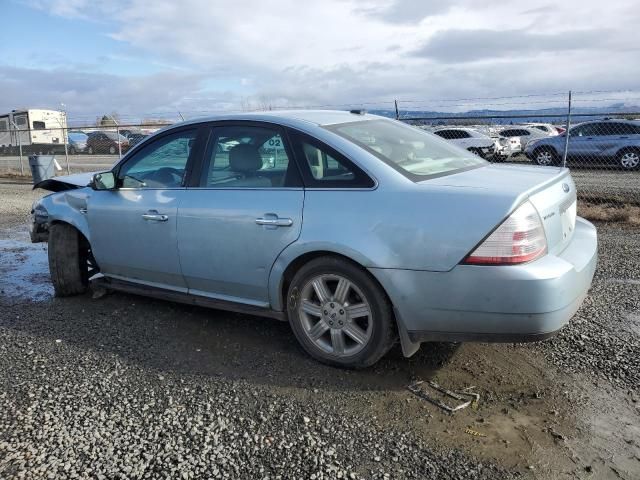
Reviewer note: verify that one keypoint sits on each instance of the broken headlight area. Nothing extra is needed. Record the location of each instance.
(39, 223)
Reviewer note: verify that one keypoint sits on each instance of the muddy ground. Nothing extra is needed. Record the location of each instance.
(90, 386)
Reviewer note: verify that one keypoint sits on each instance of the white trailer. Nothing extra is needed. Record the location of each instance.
(36, 130)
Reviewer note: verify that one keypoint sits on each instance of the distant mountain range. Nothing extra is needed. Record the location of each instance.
(549, 115)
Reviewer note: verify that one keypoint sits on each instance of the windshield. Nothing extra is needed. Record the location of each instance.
(410, 150)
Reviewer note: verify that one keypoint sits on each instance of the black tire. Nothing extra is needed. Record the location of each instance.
(545, 156)
(112, 150)
(67, 260)
(629, 159)
(90, 150)
(72, 150)
(383, 333)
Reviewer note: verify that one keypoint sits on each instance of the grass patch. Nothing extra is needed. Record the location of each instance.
(610, 212)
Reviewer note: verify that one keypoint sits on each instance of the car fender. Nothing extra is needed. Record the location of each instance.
(69, 206)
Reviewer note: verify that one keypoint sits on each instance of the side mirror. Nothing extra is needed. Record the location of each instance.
(103, 181)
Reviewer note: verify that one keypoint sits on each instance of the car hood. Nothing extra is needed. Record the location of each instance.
(67, 182)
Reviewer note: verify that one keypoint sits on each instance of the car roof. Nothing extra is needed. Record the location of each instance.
(317, 117)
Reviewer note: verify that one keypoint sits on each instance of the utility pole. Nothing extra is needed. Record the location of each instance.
(566, 134)
(65, 136)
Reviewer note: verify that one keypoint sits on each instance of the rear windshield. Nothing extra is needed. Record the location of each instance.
(413, 152)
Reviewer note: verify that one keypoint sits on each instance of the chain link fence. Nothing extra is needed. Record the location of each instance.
(602, 149)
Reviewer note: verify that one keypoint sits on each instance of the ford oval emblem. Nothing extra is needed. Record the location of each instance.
(565, 187)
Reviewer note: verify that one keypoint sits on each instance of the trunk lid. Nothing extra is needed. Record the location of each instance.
(551, 191)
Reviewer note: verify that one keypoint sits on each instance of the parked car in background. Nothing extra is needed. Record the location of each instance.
(523, 134)
(135, 138)
(106, 142)
(473, 141)
(547, 128)
(328, 237)
(77, 142)
(602, 141)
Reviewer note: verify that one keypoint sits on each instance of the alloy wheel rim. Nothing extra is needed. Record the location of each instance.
(335, 315)
(630, 160)
(544, 158)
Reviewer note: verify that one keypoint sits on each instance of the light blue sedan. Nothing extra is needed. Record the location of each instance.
(357, 229)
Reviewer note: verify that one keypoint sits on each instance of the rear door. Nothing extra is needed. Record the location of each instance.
(242, 208)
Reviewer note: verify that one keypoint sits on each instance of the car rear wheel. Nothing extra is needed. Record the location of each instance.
(70, 260)
(339, 314)
(72, 150)
(112, 150)
(629, 159)
(545, 157)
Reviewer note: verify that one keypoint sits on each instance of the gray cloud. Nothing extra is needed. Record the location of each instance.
(406, 11)
(88, 94)
(455, 46)
(333, 52)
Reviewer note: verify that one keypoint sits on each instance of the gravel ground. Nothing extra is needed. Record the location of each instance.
(603, 339)
(128, 387)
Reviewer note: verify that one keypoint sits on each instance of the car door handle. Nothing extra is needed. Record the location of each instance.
(154, 216)
(275, 222)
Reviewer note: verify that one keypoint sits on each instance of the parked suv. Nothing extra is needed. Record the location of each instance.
(472, 140)
(602, 141)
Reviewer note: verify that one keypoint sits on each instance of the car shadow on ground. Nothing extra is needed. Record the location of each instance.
(182, 339)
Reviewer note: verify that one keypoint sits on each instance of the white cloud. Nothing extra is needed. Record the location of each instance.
(349, 51)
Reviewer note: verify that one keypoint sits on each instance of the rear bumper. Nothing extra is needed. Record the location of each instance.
(495, 304)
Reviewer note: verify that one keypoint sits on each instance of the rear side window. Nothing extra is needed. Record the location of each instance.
(38, 126)
(323, 167)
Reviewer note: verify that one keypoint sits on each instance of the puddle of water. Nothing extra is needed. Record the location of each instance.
(24, 270)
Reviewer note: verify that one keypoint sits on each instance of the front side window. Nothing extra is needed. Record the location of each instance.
(247, 156)
(413, 152)
(161, 164)
(38, 126)
(20, 121)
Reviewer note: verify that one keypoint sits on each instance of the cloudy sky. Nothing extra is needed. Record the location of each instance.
(156, 57)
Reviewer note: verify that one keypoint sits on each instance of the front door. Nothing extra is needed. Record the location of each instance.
(133, 228)
(245, 208)
(583, 143)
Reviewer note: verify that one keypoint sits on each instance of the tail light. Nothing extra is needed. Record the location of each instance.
(519, 239)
